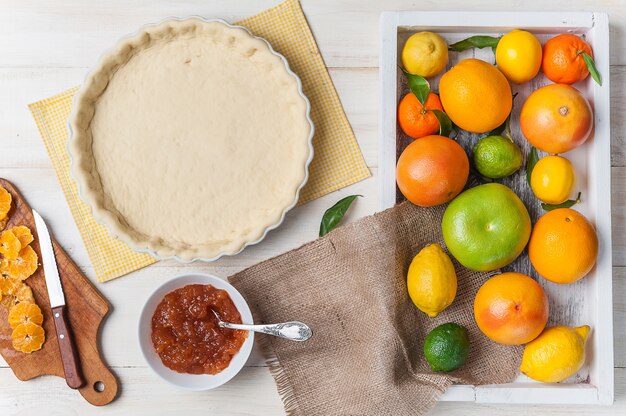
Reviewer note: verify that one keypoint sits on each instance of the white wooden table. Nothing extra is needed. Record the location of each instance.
(47, 46)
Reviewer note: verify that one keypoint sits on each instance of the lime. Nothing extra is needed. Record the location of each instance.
(486, 227)
(446, 347)
(497, 157)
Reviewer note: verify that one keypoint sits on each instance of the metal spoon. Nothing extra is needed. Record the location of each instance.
(294, 330)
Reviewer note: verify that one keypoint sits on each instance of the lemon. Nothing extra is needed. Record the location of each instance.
(431, 280)
(425, 54)
(518, 56)
(555, 355)
(552, 179)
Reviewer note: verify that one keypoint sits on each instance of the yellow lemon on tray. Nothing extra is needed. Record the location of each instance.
(518, 56)
(552, 179)
(476, 95)
(425, 54)
(555, 355)
(431, 280)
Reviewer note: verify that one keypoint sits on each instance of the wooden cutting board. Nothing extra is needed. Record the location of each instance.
(86, 309)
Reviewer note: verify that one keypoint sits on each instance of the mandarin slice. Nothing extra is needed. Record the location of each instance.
(25, 312)
(9, 245)
(22, 293)
(28, 337)
(22, 267)
(5, 203)
(3, 223)
(8, 284)
(23, 234)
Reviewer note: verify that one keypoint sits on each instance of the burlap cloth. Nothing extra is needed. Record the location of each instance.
(365, 356)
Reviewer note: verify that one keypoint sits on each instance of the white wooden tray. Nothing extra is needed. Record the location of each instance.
(590, 300)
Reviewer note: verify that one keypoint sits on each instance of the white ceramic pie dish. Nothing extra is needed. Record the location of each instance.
(103, 217)
(195, 382)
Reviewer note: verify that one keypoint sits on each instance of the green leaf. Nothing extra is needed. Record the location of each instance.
(531, 161)
(333, 215)
(445, 124)
(591, 66)
(418, 85)
(478, 41)
(567, 204)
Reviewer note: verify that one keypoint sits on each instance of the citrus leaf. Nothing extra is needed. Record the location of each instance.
(478, 41)
(333, 215)
(567, 204)
(591, 66)
(531, 161)
(419, 86)
(445, 124)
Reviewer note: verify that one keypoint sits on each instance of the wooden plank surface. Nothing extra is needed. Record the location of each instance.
(46, 47)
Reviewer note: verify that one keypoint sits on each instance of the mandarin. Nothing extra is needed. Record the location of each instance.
(511, 308)
(9, 245)
(25, 312)
(563, 246)
(23, 266)
(417, 120)
(5, 203)
(476, 95)
(432, 170)
(563, 61)
(556, 118)
(23, 234)
(28, 337)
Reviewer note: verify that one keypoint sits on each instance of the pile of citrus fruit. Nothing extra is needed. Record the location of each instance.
(18, 261)
(487, 226)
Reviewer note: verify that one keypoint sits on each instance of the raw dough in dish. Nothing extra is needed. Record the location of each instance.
(191, 139)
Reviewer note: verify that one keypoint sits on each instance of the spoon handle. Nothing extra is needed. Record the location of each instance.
(295, 331)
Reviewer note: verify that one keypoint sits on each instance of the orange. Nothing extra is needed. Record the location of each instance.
(5, 203)
(3, 223)
(476, 95)
(415, 119)
(28, 337)
(563, 61)
(563, 246)
(9, 245)
(25, 312)
(556, 118)
(511, 308)
(23, 266)
(432, 170)
(23, 234)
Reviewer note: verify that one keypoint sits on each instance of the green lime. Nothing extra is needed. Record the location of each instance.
(446, 347)
(497, 157)
(486, 227)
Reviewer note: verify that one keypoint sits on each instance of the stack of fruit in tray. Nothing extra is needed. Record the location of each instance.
(487, 227)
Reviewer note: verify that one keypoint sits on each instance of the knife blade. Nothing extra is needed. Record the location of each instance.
(67, 348)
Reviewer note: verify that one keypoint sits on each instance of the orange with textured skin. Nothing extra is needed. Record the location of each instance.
(563, 61)
(432, 170)
(511, 308)
(415, 119)
(556, 118)
(563, 246)
(476, 95)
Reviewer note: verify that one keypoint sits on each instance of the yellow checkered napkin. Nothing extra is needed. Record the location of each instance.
(337, 162)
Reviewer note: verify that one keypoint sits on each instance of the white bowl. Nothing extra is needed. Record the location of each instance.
(195, 382)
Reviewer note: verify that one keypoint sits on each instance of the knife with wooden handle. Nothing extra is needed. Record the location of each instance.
(69, 356)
